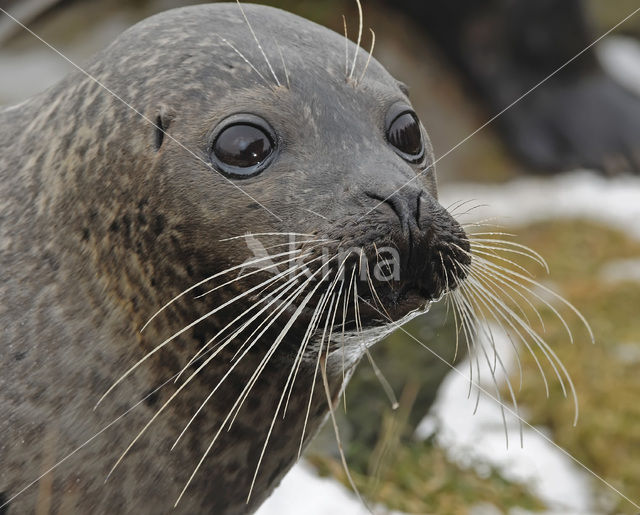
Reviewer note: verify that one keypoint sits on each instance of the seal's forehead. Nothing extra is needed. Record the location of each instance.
(253, 44)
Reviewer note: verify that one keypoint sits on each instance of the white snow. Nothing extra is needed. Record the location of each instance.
(303, 492)
(582, 194)
(620, 56)
(478, 440)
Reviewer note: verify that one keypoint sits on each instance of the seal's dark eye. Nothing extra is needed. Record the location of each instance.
(242, 149)
(405, 135)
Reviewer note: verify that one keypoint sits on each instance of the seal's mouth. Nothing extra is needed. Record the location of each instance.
(369, 293)
(361, 272)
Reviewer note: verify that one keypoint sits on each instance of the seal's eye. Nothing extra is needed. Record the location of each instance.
(405, 135)
(243, 149)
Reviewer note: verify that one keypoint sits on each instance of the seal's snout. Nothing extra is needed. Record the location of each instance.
(405, 203)
(433, 249)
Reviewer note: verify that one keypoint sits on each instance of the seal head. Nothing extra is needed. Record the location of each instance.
(124, 186)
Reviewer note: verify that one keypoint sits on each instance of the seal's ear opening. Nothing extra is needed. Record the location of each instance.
(159, 132)
(161, 125)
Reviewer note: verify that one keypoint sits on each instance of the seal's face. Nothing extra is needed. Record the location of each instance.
(309, 146)
(339, 159)
(149, 187)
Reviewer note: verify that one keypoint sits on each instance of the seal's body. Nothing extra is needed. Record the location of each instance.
(117, 188)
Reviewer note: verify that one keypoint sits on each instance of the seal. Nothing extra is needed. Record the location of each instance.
(128, 190)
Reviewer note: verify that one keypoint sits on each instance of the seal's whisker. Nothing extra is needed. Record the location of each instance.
(388, 390)
(255, 38)
(309, 332)
(503, 314)
(313, 325)
(507, 243)
(336, 431)
(314, 213)
(486, 329)
(345, 308)
(281, 290)
(474, 235)
(541, 343)
(301, 242)
(244, 349)
(483, 328)
(492, 250)
(457, 204)
(315, 375)
(477, 254)
(484, 222)
(450, 307)
(256, 234)
(254, 272)
(448, 304)
(507, 275)
(469, 326)
(346, 47)
(360, 25)
(288, 302)
(284, 64)
(489, 280)
(499, 395)
(178, 333)
(216, 275)
(501, 287)
(486, 239)
(489, 221)
(374, 292)
(468, 210)
(275, 416)
(269, 264)
(173, 396)
(244, 58)
(491, 253)
(253, 379)
(507, 315)
(478, 343)
(291, 283)
(366, 65)
(453, 298)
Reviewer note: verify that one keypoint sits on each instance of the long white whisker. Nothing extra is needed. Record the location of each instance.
(489, 333)
(244, 15)
(346, 47)
(173, 396)
(503, 314)
(360, 23)
(216, 275)
(280, 291)
(178, 333)
(256, 234)
(250, 384)
(244, 58)
(275, 416)
(327, 391)
(308, 333)
(532, 253)
(284, 64)
(313, 380)
(366, 65)
(254, 272)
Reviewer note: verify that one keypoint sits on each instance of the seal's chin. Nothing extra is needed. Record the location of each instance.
(395, 307)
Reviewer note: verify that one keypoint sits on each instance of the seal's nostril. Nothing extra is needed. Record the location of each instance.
(405, 202)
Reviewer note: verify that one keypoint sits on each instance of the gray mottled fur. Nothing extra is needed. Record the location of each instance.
(98, 228)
